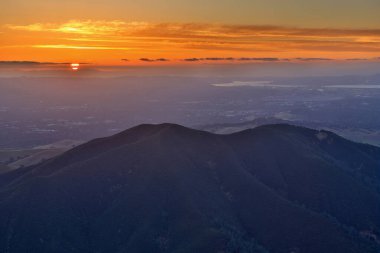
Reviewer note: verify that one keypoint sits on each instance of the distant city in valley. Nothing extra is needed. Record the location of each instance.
(40, 111)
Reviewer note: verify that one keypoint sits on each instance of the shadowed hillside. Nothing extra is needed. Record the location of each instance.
(167, 188)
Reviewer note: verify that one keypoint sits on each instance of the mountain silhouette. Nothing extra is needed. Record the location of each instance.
(168, 188)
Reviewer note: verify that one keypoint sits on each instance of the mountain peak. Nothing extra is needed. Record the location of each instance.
(168, 188)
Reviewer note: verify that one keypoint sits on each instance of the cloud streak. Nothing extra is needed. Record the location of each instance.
(269, 59)
(29, 63)
(314, 59)
(73, 26)
(192, 30)
(154, 60)
(81, 47)
(183, 39)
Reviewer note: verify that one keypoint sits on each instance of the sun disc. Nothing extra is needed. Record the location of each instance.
(74, 66)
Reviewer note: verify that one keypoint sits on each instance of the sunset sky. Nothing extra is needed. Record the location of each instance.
(145, 32)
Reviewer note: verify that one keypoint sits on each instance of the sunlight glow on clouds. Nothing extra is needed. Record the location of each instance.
(80, 27)
(81, 47)
(184, 40)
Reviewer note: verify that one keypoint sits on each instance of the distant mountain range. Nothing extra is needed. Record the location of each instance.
(364, 135)
(167, 188)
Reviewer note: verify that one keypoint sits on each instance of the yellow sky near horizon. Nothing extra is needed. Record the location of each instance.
(49, 32)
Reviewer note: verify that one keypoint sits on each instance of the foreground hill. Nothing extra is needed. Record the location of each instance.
(167, 188)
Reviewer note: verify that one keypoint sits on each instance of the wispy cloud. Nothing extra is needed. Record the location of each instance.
(209, 59)
(195, 30)
(154, 60)
(82, 47)
(309, 44)
(35, 63)
(88, 27)
(314, 59)
(268, 59)
(29, 63)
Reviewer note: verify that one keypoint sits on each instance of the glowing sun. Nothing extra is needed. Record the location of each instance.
(74, 66)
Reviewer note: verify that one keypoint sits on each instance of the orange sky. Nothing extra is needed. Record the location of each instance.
(107, 39)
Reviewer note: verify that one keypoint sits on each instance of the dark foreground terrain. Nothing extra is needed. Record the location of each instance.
(167, 188)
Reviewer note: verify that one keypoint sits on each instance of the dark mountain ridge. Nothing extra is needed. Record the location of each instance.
(167, 188)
